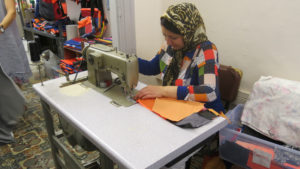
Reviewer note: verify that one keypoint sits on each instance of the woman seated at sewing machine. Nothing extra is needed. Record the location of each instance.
(188, 61)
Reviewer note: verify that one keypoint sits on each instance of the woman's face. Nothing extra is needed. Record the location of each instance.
(173, 39)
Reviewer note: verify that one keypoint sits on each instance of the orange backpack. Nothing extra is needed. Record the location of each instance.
(53, 9)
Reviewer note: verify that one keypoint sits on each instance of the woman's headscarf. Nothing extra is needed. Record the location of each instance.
(186, 18)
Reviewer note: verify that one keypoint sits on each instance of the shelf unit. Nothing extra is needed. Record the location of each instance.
(48, 41)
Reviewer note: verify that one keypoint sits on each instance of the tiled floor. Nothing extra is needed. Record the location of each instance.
(31, 148)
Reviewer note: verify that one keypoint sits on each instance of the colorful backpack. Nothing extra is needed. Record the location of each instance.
(53, 9)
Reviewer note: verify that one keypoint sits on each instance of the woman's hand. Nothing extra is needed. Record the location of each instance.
(150, 92)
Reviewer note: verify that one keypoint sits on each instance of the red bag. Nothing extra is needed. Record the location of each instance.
(53, 9)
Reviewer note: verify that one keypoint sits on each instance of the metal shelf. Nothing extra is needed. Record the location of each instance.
(58, 40)
(46, 34)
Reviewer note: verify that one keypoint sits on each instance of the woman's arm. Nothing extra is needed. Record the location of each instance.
(11, 13)
(149, 67)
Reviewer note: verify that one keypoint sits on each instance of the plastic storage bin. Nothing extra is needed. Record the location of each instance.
(251, 152)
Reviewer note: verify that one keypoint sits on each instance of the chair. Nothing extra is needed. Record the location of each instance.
(229, 80)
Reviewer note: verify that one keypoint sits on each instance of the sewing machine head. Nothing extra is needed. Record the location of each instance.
(102, 60)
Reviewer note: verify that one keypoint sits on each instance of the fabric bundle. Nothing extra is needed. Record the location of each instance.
(70, 66)
(185, 114)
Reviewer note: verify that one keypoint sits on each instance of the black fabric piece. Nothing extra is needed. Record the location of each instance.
(196, 120)
(250, 131)
(234, 153)
(207, 114)
(193, 121)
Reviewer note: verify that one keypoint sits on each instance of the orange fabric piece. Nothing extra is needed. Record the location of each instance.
(172, 109)
(148, 103)
(176, 110)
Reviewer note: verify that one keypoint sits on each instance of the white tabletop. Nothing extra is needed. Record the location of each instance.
(133, 137)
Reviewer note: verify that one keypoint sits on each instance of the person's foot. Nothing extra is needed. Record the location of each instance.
(8, 142)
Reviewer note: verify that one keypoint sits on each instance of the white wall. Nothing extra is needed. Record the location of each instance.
(148, 32)
(258, 37)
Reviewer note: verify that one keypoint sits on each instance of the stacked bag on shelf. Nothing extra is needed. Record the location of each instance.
(41, 24)
(70, 66)
(74, 44)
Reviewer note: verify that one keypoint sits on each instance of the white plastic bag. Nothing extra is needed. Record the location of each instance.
(273, 109)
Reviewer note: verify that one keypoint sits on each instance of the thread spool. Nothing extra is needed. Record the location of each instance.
(34, 51)
(72, 31)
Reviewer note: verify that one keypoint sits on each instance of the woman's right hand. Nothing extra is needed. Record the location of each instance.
(150, 92)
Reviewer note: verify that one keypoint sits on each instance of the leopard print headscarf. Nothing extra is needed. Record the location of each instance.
(187, 19)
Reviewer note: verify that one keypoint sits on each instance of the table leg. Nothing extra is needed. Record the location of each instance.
(50, 131)
(68, 161)
(105, 162)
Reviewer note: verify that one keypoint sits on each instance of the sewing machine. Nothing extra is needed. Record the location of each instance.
(102, 61)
